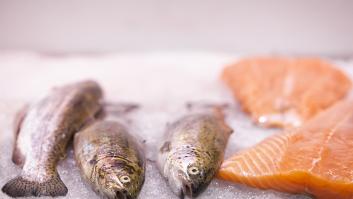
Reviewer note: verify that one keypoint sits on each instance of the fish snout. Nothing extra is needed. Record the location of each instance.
(122, 194)
(187, 190)
(191, 189)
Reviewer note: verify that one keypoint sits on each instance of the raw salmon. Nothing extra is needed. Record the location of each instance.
(281, 92)
(316, 158)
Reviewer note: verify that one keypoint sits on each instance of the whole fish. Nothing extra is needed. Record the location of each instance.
(110, 159)
(42, 134)
(193, 151)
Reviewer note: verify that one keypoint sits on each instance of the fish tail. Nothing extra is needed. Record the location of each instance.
(22, 187)
(116, 109)
(216, 108)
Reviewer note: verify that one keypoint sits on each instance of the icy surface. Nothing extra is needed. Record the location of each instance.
(160, 83)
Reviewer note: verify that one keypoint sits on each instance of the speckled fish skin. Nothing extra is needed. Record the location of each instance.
(193, 151)
(110, 159)
(43, 133)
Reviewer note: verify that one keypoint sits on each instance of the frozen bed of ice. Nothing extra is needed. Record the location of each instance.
(160, 82)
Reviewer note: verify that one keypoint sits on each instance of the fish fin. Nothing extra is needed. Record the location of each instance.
(101, 114)
(17, 157)
(21, 187)
(216, 109)
(151, 161)
(206, 105)
(118, 109)
(165, 147)
(227, 128)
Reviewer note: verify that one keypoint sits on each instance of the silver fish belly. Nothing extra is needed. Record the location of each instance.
(110, 160)
(42, 134)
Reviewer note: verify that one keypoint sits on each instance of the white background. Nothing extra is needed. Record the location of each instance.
(310, 27)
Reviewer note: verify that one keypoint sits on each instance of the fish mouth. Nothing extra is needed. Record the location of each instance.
(122, 195)
(186, 190)
(191, 189)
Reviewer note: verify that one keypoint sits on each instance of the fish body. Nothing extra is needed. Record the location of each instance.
(193, 151)
(42, 134)
(315, 159)
(110, 159)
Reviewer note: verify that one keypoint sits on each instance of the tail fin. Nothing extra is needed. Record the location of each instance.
(206, 105)
(215, 108)
(120, 108)
(116, 109)
(21, 187)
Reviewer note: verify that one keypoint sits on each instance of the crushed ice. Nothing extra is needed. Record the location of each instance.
(160, 83)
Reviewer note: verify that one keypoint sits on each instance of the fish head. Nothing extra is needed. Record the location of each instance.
(190, 176)
(121, 181)
(195, 179)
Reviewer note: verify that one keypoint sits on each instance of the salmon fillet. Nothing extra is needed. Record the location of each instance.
(280, 92)
(316, 158)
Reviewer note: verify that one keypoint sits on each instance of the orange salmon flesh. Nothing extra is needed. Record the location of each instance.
(282, 92)
(316, 158)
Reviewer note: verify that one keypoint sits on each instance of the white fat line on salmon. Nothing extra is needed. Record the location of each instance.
(331, 133)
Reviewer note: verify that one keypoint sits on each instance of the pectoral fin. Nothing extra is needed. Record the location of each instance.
(165, 148)
(17, 156)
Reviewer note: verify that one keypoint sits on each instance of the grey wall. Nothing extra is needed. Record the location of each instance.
(302, 27)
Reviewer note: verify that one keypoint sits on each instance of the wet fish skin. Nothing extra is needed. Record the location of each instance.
(42, 134)
(193, 151)
(110, 159)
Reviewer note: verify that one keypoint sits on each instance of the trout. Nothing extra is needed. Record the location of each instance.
(42, 133)
(193, 151)
(110, 160)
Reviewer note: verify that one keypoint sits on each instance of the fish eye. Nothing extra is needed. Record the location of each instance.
(193, 171)
(125, 179)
